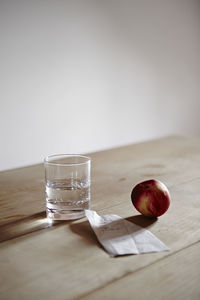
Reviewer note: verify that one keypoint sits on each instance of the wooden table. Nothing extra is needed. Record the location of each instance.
(65, 261)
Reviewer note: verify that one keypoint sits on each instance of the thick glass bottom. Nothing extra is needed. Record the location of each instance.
(55, 214)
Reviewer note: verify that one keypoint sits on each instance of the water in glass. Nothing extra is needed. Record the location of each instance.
(67, 198)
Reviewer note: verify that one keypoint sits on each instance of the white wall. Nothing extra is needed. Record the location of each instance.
(80, 76)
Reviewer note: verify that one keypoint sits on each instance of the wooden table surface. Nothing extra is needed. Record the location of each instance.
(65, 261)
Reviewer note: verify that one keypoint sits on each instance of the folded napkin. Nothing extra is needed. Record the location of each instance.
(119, 236)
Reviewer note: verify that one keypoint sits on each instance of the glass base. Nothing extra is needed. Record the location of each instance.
(60, 215)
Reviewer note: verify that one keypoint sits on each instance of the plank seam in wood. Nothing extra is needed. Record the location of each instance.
(135, 271)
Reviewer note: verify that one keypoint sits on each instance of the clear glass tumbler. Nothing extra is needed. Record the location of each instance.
(67, 178)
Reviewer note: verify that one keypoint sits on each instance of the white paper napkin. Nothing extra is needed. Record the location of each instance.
(119, 236)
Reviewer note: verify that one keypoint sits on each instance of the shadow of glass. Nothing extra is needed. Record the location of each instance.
(27, 225)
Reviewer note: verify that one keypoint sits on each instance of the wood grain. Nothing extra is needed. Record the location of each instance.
(174, 277)
(64, 260)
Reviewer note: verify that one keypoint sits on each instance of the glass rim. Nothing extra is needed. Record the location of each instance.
(63, 155)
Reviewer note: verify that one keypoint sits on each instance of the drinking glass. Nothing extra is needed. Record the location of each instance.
(67, 178)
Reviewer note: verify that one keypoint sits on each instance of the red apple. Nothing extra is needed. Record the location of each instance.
(151, 198)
